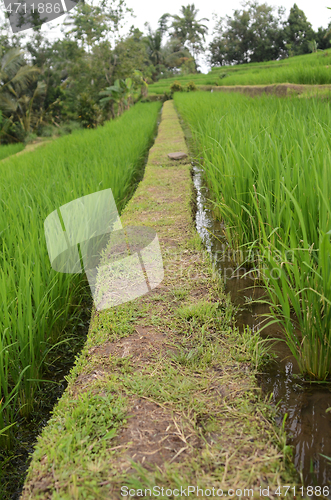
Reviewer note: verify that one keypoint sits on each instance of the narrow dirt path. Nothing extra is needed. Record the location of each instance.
(29, 148)
(164, 393)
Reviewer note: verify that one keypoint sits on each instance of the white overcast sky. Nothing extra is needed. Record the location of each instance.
(150, 11)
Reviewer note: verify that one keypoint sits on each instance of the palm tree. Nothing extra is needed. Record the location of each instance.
(24, 110)
(188, 29)
(120, 93)
(140, 81)
(175, 54)
(16, 95)
(15, 75)
(154, 42)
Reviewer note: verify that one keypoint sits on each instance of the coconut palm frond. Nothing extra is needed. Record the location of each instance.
(25, 75)
(11, 61)
(7, 103)
(11, 89)
(40, 89)
(19, 89)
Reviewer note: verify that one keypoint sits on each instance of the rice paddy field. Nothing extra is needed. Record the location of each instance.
(36, 302)
(10, 149)
(309, 69)
(267, 164)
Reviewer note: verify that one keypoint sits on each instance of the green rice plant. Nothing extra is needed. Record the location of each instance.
(308, 69)
(267, 164)
(298, 73)
(10, 149)
(36, 302)
(296, 287)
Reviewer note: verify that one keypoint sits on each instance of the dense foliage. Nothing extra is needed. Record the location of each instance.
(259, 32)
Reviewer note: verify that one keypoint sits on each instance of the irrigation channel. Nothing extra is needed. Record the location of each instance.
(307, 424)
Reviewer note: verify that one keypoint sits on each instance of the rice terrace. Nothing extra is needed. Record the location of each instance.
(165, 277)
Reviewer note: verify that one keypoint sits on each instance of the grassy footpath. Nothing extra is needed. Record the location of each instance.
(164, 392)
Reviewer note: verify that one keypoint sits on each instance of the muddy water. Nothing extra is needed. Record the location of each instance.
(308, 426)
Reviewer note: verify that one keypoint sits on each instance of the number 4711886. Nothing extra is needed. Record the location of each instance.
(41, 8)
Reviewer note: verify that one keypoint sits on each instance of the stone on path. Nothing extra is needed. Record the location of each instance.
(177, 156)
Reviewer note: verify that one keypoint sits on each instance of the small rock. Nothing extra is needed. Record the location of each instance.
(177, 156)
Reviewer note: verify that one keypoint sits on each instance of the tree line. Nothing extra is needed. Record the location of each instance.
(259, 32)
(85, 77)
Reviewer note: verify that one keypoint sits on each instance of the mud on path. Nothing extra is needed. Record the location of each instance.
(164, 392)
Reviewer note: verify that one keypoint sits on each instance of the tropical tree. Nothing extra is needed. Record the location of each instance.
(90, 24)
(127, 92)
(233, 39)
(130, 54)
(322, 37)
(90, 114)
(298, 32)
(15, 74)
(254, 33)
(163, 24)
(217, 51)
(140, 82)
(190, 30)
(67, 73)
(121, 94)
(266, 32)
(18, 91)
(176, 55)
(29, 118)
(312, 46)
(154, 44)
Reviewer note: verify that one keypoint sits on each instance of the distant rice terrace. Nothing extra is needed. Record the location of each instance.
(309, 69)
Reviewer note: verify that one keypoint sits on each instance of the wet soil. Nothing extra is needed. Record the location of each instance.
(307, 424)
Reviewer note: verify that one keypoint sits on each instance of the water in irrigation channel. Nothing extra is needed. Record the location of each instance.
(308, 426)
